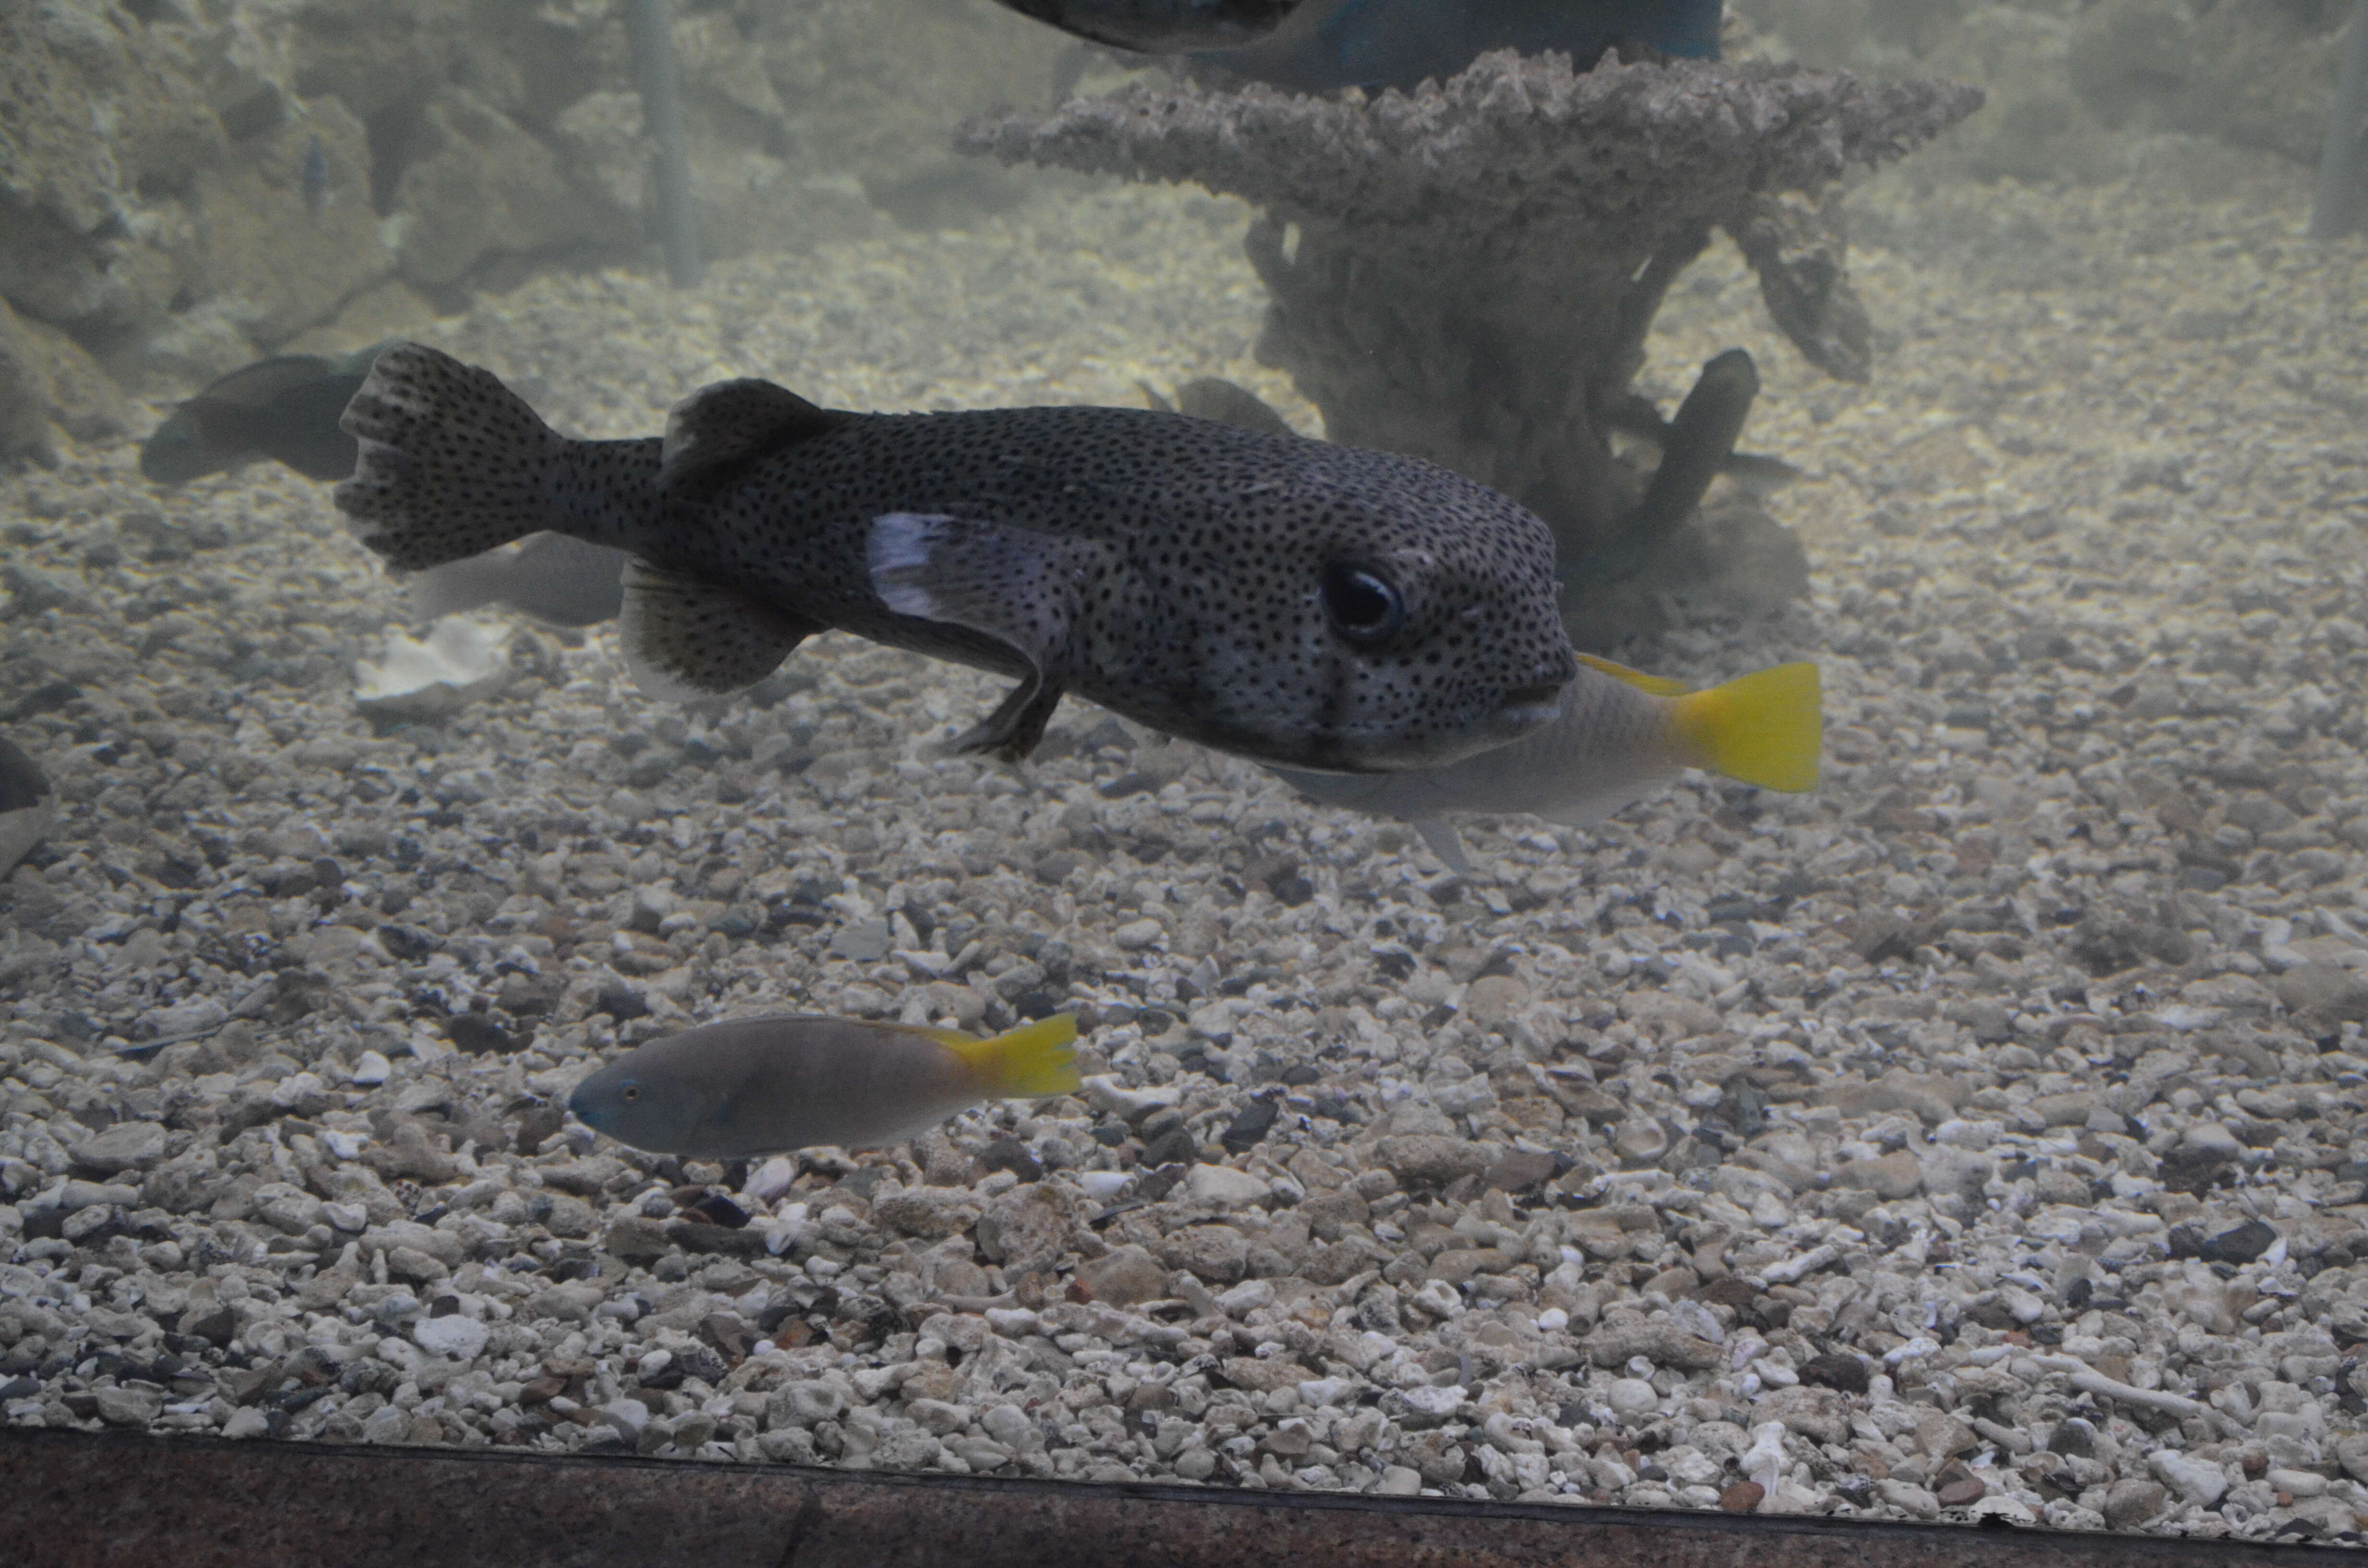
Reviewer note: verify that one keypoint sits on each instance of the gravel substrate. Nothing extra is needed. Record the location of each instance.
(1981, 1134)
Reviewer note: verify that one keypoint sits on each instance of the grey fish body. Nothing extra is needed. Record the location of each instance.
(552, 578)
(1285, 599)
(1617, 736)
(1607, 746)
(764, 1085)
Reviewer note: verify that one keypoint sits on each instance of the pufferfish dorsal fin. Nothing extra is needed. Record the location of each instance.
(717, 427)
(685, 639)
(1013, 584)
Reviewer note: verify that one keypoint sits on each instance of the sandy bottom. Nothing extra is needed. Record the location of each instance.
(1978, 1134)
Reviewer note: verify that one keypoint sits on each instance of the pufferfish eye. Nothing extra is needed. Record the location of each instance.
(631, 1092)
(1364, 606)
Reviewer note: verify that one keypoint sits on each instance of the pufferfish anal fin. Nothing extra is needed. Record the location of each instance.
(718, 427)
(1011, 583)
(685, 639)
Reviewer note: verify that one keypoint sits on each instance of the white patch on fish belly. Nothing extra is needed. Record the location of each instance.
(898, 554)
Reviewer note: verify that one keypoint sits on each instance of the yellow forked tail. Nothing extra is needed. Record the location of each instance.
(1762, 729)
(1034, 1059)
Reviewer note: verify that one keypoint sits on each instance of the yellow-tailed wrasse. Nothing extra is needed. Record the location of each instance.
(1617, 736)
(764, 1086)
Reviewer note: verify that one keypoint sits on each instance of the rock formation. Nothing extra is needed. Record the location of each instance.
(1467, 274)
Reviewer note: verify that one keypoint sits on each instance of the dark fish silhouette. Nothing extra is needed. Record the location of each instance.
(1396, 43)
(1283, 599)
(1756, 471)
(1695, 447)
(285, 408)
(1161, 26)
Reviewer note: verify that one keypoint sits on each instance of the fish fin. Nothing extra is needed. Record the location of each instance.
(1654, 685)
(179, 450)
(685, 639)
(1214, 397)
(457, 587)
(1034, 1059)
(451, 463)
(730, 422)
(1764, 728)
(1445, 843)
(257, 385)
(1760, 474)
(1004, 583)
(1636, 415)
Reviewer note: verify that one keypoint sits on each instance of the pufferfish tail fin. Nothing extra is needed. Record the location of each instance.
(1034, 1059)
(1765, 728)
(450, 463)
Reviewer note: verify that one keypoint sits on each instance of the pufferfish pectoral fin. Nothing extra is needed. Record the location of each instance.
(1011, 583)
(684, 639)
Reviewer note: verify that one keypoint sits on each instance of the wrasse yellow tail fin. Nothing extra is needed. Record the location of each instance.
(1763, 729)
(1034, 1059)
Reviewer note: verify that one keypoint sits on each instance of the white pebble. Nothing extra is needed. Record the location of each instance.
(1631, 1395)
(370, 1067)
(460, 1337)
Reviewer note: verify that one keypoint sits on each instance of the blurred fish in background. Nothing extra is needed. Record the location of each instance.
(285, 408)
(1397, 43)
(1162, 27)
(550, 576)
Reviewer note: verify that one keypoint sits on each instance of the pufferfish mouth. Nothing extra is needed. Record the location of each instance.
(1527, 707)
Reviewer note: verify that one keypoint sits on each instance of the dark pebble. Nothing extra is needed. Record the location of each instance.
(479, 1036)
(1174, 1146)
(1159, 1183)
(1011, 1154)
(623, 1003)
(717, 1209)
(1742, 1498)
(1248, 1127)
(1846, 1373)
(2242, 1245)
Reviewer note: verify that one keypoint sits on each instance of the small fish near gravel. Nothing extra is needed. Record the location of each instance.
(1281, 599)
(765, 1085)
(1620, 735)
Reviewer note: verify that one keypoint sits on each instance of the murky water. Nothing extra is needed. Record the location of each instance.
(1977, 1132)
